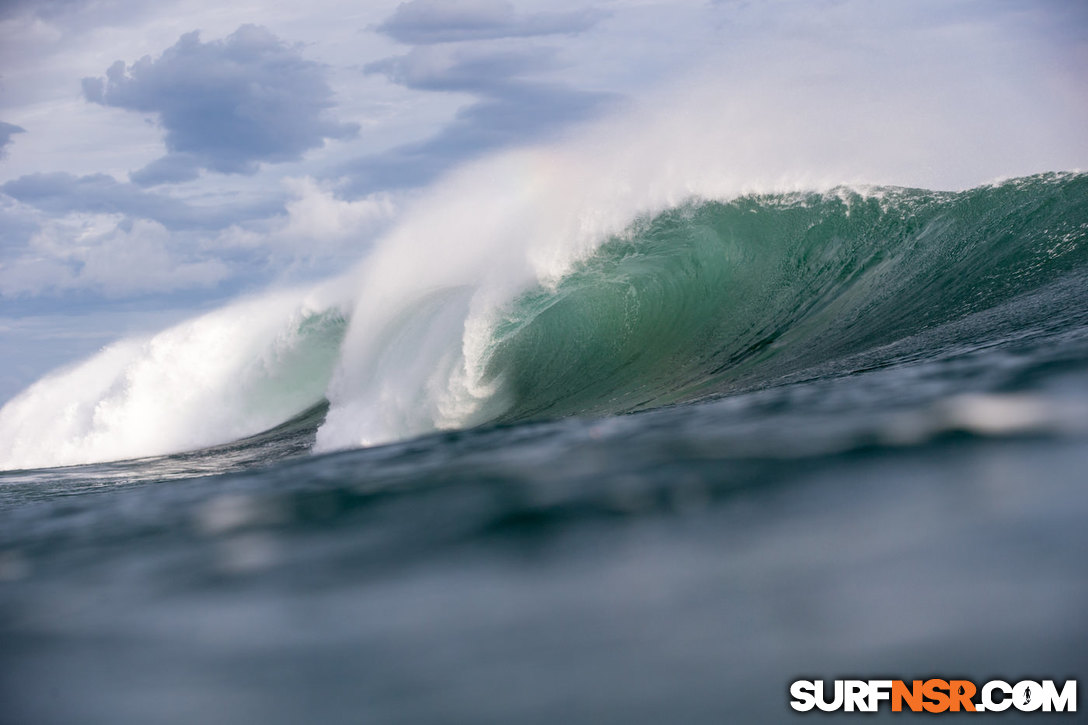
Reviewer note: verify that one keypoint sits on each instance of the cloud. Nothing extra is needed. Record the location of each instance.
(511, 107)
(516, 99)
(468, 69)
(7, 130)
(173, 168)
(524, 113)
(316, 228)
(62, 234)
(17, 224)
(421, 22)
(317, 217)
(37, 8)
(61, 193)
(94, 237)
(226, 105)
(109, 255)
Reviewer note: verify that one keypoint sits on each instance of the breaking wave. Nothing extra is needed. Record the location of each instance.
(699, 299)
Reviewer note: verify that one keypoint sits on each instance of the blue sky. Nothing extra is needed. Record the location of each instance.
(157, 159)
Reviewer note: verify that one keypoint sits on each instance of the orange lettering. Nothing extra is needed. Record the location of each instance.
(961, 692)
(913, 696)
(932, 690)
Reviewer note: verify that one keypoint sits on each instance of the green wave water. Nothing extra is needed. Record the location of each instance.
(709, 298)
(715, 296)
(857, 446)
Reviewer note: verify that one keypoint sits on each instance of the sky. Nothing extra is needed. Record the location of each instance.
(159, 159)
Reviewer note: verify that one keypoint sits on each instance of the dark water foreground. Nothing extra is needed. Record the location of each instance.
(913, 505)
(681, 565)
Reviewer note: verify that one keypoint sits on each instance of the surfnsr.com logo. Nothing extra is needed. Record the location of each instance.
(934, 696)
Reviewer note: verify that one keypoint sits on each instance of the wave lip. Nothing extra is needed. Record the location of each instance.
(701, 299)
(714, 296)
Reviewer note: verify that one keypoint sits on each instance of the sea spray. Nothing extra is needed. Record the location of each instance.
(703, 299)
(710, 297)
(411, 345)
(230, 373)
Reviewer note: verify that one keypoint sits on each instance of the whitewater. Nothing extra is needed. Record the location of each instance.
(771, 376)
(407, 342)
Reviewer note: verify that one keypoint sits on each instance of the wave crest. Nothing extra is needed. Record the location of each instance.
(702, 299)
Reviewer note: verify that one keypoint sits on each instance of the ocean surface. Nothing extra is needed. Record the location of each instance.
(826, 434)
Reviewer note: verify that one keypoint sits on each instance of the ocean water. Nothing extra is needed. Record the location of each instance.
(729, 444)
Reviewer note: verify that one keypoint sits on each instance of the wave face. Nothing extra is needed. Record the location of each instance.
(711, 296)
(701, 299)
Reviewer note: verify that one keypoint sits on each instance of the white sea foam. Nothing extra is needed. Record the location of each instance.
(904, 109)
(233, 372)
(525, 217)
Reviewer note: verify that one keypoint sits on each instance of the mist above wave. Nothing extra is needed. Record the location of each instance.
(404, 343)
